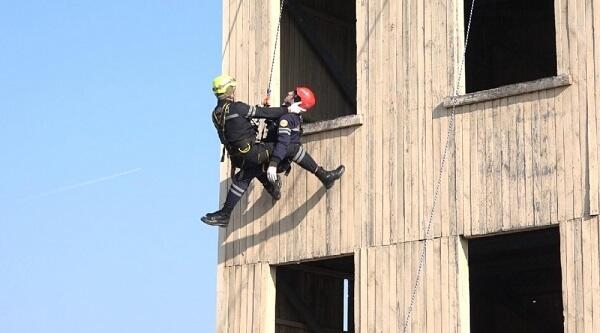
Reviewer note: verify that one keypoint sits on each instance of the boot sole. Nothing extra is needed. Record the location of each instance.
(214, 223)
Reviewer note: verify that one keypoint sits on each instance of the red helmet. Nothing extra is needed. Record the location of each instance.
(307, 98)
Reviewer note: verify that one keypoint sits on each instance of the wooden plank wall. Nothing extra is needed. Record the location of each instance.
(515, 163)
(245, 292)
(305, 223)
(245, 299)
(293, 228)
(388, 277)
(580, 259)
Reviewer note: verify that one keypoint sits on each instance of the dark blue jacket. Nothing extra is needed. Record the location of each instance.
(289, 131)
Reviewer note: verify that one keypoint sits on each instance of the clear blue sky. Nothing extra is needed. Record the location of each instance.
(108, 160)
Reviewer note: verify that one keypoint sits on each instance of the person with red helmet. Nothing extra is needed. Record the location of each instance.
(288, 145)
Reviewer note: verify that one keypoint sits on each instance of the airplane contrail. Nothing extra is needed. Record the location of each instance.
(83, 184)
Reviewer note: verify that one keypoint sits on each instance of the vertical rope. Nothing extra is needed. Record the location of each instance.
(261, 133)
(449, 136)
(275, 48)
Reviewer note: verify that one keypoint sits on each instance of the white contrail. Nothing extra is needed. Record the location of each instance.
(83, 184)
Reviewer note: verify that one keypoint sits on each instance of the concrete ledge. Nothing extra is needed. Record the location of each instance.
(508, 90)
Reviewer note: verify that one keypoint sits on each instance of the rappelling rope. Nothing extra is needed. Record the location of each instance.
(265, 102)
(449, 135)
(275, 49)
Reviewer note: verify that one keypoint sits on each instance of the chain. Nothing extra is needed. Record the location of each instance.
(449, 136)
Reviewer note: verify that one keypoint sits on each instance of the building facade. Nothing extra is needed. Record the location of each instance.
(513, 240)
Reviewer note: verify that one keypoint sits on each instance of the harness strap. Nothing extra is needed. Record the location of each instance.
(221, 122)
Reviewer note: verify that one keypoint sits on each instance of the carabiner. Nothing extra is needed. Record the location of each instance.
(245, 149)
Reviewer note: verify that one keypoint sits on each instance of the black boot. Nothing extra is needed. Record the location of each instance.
(219, 218)
(274, 189)
(329, 177)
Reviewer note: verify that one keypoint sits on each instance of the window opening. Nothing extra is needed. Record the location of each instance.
(510, 41)
(515, 283)
(318, 50)
(315, 296)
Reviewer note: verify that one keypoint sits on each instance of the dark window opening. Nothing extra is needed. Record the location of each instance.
(515, 283)
(510, 41)
(318, 50)
(316, 296)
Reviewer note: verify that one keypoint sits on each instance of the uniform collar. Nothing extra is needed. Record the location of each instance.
(222, 102)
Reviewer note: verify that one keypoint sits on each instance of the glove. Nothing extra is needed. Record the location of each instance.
(295, 108)
(272, 174)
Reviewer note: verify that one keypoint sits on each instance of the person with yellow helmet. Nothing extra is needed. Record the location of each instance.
(233, 121)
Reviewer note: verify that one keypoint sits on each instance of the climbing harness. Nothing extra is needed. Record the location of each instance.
(219, 118)
(449, 135)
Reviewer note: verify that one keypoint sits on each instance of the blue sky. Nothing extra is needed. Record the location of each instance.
(108, 159)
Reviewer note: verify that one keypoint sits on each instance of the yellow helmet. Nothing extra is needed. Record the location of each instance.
(223, 84)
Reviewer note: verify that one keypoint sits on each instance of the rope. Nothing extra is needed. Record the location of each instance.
(275, 48)
(449, 135)
(261, 134)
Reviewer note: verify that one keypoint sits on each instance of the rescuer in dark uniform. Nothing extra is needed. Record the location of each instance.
(237, 133)
(288, 146)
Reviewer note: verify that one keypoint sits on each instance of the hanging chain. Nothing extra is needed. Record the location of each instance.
(449, 136)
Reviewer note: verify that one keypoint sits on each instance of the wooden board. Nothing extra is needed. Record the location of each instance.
(595, 115)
